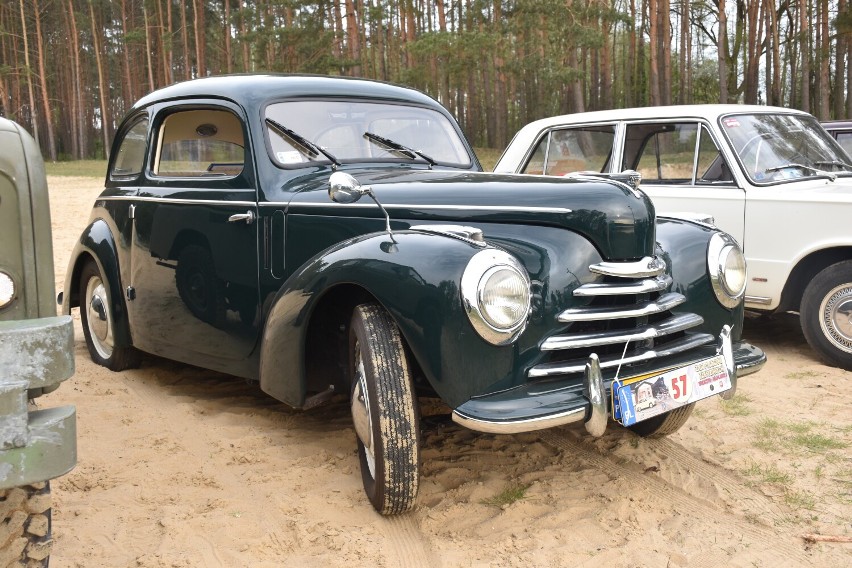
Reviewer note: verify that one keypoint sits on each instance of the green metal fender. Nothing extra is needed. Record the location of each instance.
(97, 242)
(416, 278)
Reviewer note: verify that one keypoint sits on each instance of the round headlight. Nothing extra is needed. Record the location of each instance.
(727, 267)
(495, 290)
(7, 289)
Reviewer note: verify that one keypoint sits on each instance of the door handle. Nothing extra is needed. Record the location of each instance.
(248, 217)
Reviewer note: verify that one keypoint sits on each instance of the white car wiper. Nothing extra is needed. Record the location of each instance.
(816, 171)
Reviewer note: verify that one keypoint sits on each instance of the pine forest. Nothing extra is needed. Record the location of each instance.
(70, 69)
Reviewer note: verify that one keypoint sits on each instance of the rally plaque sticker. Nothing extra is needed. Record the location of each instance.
(643, 397)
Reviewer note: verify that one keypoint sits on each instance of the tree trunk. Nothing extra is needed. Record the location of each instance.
(187, 59)
(148, 48)
(33, 118)
(824, 90)
(105, 130)
(48, 116)
(654, 41)
(722, 48)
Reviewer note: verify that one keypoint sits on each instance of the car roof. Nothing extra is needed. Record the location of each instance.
(837, 124)
(253, 89)
(709, 112)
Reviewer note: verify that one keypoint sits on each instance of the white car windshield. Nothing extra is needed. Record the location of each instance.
(782, 147)
(309, 131)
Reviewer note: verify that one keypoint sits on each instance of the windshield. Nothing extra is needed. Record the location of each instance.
(779, 147)
(338, 127)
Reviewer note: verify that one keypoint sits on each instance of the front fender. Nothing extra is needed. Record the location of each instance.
(684, 247)
(98, 243)
(416, 278)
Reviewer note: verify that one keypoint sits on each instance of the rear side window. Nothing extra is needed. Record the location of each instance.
(200, 143)
(573, 150)
(131, 153)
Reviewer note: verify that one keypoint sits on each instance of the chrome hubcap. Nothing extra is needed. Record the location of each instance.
(361, 418)
(836, 316)
(98, 318)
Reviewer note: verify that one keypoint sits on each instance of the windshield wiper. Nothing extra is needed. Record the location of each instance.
(301, 143)
(816, 171)
(394, 146)
(834, 163)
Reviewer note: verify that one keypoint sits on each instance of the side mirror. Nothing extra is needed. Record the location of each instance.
(343, 188)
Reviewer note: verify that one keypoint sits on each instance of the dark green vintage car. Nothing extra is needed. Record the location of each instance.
(240, 230)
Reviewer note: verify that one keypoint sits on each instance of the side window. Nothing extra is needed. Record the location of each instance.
(200, 142)
(674, 153)
(131, 153)
(666, 151)
(845, 141)
(570, 150)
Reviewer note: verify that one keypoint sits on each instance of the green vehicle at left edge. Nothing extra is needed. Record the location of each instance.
(36, 355)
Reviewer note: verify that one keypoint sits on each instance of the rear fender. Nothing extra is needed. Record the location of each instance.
(415, 277)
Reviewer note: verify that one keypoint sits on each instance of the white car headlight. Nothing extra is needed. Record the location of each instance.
(495, 290)
(7, 289)
(727, 268)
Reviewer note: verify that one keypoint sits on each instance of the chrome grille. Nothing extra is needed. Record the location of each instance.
(627, 321)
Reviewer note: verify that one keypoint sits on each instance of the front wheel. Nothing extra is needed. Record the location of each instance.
(826, 314)
(664, 424)
(384, 411)
(26, 525)
(99, 322)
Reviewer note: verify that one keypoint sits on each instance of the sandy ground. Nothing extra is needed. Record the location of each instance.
(184, 467)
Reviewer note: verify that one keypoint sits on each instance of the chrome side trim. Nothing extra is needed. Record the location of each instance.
(467, 208)
(472, 235)
(280, 204)
(644, 268)
(662, 304)
(172, 200)
(569, 367)
(646, 286)
(519, 426)
(674, 324)
(758, 300)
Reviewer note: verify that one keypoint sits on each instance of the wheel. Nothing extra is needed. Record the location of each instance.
(99, 324)
(664, 424)
(198, 286)
(384, 411)
(25, 533)
(826, 314)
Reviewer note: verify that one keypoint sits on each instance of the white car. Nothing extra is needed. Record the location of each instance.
(771, 177)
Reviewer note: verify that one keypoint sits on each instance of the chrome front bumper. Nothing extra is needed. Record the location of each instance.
(535, 407)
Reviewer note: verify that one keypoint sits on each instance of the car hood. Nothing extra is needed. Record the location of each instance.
(618, 220)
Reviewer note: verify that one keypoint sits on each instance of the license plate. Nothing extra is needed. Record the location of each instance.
(639, 398)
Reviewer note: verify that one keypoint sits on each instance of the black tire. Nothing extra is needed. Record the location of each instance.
(99, 323)
(384, 411)
(198, 286)
(25, 538)
(664, 424)
(826, 314)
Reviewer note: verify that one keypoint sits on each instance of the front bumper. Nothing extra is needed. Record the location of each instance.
(35, 356)
(538, 406)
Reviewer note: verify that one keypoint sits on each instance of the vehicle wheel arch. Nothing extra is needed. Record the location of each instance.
(806, 268)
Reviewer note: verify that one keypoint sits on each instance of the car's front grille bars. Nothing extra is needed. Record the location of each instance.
(626, 321)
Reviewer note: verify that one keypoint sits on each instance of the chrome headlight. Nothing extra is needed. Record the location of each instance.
(7, 289)
(727, 267)
(495, 291)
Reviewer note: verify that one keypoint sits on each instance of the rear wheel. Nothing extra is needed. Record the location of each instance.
(664, 424)
(99, 322)
(198, 286)
(384, 411)
(25, 538)
(826, 314)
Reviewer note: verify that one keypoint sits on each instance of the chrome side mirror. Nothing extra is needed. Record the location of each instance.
(343, 188)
